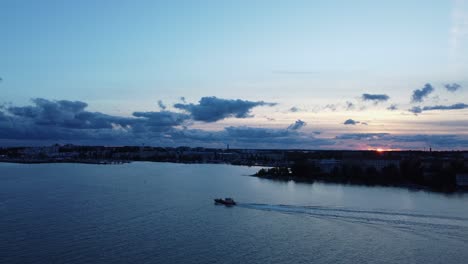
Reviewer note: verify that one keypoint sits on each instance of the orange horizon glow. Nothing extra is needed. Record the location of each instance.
(382, 150)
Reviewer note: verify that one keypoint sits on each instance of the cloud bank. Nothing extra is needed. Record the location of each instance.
(47, 121)
(62, 121)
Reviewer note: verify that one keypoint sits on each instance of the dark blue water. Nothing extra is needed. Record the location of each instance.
(164, 213)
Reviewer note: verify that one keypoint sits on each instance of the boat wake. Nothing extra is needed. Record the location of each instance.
(400, 219)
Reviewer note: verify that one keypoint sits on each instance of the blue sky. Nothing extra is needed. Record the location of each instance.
(316, 57)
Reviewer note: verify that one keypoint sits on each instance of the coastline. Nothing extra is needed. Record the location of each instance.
(283, 178)
(408, 186)
(445, 172)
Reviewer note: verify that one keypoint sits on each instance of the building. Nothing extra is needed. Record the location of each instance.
(462, 180)
(327, 165)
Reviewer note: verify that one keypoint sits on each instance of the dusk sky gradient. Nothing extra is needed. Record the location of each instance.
(252, 74)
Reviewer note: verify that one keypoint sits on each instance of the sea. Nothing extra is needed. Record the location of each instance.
(145, 212)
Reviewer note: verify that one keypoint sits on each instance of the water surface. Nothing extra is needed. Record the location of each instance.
(163, 213)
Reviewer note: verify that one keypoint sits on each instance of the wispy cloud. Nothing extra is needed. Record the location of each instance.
(297, 125)
(161, 105)
(331, 107)
(392, 107)
(452, 87)
(349, 106)
(294, 109)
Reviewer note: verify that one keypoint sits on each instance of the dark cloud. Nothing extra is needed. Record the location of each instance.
(415, 110)
(161, 105)
(63, 113)
(392, 107)
(351, 122)
(47, 122)
(419, 94)
(212, 109)
(25, 129)
(418, 109)
(446, 107)
(294, 109)
(375, 97)
(297, 125)
(452, 87)
(68, 120)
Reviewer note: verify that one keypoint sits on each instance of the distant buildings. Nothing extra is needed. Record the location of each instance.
(462, 180)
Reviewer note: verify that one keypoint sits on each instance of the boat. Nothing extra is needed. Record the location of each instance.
(226, 201)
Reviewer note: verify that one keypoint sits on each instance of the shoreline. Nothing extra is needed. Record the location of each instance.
(408, 186)
(101, 162)
(297, 179)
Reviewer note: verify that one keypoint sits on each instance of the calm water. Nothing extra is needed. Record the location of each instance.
(163, 213)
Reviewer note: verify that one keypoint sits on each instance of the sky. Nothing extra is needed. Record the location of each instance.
(252, 74)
